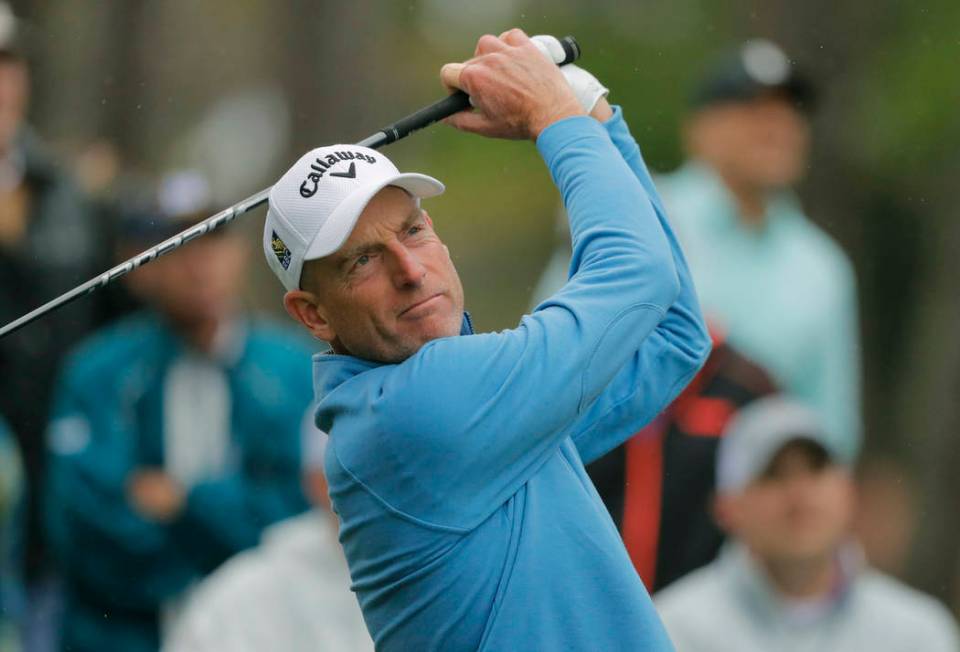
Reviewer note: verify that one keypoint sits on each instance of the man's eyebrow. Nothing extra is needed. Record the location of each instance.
(365, 247)
(362, 248)
(412, 218)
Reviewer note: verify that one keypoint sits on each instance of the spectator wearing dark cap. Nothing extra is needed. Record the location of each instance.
(779, 287)
(791, 578)
(176, 435)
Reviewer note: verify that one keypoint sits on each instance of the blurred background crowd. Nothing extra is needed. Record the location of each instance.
(160, 477)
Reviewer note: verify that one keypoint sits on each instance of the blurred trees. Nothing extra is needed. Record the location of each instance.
(142, 74)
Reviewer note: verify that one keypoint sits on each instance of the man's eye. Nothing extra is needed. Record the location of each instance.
(361, 260)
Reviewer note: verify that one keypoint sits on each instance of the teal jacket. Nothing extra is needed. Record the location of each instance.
(118, 567)
(467, 518)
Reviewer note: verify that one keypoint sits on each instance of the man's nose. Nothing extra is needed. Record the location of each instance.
(407, 270)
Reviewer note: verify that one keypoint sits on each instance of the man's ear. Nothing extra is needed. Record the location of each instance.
(304, 308)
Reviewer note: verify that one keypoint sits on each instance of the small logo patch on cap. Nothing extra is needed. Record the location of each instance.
(280, 250)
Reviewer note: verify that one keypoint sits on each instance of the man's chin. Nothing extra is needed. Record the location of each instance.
(437, 329)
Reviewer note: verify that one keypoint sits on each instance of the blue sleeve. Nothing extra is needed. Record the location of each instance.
(98, 540)
(466, 421)
(636, 395)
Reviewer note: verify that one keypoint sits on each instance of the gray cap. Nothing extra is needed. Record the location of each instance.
(759, 431)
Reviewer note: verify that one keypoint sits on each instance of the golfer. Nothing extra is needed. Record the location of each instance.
(455, 460)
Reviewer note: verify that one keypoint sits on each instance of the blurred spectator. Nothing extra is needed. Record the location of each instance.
(659, 484)
(792, 578)
(175, 437)
(11, 493)
(291, 593)
(49, 242)
(779, 287)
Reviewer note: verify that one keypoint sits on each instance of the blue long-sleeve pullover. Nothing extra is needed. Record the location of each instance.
(466, 515)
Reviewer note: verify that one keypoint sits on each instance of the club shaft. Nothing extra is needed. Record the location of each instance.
(425, 117)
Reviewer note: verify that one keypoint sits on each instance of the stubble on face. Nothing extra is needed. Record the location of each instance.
(391, 287)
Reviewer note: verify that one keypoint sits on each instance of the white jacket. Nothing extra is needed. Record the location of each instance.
(292, 593)
(729, 606)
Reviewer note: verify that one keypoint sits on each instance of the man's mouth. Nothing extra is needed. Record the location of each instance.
(415, 308)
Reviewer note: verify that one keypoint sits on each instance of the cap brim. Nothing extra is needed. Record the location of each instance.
(340, 224)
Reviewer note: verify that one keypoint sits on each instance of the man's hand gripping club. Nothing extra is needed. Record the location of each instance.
(516, 91)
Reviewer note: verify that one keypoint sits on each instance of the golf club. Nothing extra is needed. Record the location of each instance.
(563, 51)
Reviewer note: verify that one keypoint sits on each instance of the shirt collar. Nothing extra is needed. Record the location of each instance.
(723, 211)
(754, 588)
(330, 370)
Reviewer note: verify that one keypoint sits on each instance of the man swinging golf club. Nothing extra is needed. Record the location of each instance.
(455, 460)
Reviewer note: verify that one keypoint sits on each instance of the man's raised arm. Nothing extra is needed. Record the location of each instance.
(487, 410)
(638, 392)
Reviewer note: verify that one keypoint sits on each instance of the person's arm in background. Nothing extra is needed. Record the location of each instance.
(625, 406)
(228, 513)
(98, 539)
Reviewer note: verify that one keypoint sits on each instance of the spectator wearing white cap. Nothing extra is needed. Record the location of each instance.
(291, 593)
(780, 289)
(791, 577)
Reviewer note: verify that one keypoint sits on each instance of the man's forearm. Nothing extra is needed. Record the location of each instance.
(671, 356)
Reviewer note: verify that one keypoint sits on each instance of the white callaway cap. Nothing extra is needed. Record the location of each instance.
(315, 205)
(759, 431)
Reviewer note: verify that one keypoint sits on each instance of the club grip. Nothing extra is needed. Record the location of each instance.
(571, 48)
(458, 101)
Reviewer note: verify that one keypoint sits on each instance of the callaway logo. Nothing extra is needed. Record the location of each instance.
(321, 165)
(280, 250)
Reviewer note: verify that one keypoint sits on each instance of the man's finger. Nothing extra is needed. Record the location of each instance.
(489, 44)
(515, 37)
(450, 75)
(470, 121)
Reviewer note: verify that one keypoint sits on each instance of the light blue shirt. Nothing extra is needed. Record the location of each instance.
(783, 293)
(467, 518)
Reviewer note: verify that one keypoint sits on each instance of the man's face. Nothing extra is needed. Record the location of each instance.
(760, 144)
(198, 283)
(390, 288)
(799, 509)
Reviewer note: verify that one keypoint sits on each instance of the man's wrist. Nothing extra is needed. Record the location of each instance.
(602, 111)
(559, 136)
(537, 126)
